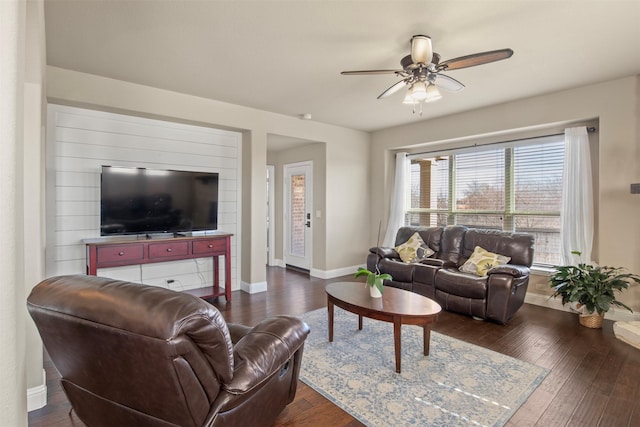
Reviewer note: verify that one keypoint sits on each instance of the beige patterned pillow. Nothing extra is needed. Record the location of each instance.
(481, 261)
(414, 249)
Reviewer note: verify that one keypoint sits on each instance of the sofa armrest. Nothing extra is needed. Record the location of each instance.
(510, 269)
(237, 332)
(383, 252)
(437, 262)
(263, 351)
(433, 262)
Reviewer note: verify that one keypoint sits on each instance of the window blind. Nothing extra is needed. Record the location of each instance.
(513, 186)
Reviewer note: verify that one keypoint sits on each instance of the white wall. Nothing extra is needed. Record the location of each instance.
(80, 141)
(33, 173)
(614, 104)
(12, 316)
(22, 50)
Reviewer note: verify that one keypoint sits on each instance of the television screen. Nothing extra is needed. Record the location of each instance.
(145, 201)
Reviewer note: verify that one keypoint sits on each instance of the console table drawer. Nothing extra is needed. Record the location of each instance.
(116, 253)
(204, 247)
(168, 250)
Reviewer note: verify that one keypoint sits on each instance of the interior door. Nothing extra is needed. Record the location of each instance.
(298, 185)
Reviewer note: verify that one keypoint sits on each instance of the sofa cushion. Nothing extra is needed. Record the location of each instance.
(430, 235)
(452, 281)
(481, 261)
(414, 249)
(518, 246)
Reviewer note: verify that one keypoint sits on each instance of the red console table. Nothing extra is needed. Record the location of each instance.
(103, 253)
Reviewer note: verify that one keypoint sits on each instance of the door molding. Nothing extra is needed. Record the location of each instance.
(271, 200)
(309, 209)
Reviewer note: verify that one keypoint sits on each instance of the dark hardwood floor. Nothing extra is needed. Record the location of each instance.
(594, 379)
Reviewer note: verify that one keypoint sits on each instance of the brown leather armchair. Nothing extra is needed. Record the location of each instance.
(137, 355)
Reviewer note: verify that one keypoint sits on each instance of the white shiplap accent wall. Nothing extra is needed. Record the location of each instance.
(80, 141)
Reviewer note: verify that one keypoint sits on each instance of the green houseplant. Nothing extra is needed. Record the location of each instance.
(592, 288)
(374, 279)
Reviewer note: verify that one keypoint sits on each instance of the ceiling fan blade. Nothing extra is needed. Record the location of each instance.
(421, 49)
(475, 59)
(448, 83)
(393, 89)
(365, 72)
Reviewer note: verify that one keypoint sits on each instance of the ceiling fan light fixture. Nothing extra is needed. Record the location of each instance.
(421, 49)
(418, 91)
(433, 94)
(408, 99)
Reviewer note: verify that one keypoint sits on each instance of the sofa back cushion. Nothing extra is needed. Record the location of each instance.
(517, 246)
(451, 244)
(430, 235)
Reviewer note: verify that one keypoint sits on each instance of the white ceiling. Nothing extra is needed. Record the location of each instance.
(286, 56)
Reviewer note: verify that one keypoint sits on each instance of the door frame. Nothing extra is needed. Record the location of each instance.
(309, 209)
(271, 199)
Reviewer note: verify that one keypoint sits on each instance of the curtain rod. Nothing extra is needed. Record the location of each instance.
(590, 129)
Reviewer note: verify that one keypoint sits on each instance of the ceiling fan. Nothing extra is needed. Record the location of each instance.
(422, 71)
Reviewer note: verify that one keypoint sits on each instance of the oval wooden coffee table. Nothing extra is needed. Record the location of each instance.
(396, 306)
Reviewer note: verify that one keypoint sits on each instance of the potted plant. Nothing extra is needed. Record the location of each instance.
(591, 288)
(375, 280)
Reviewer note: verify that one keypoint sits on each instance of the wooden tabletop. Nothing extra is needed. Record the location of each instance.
(393, 301)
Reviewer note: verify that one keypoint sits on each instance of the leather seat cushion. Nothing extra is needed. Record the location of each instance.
(461, 284)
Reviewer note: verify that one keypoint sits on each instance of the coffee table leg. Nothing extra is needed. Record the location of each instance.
(359, 322)
(426, 338)
(397, 328)
(330, 313)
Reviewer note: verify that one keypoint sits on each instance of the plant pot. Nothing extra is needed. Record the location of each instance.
(374, 292)
(593, 320)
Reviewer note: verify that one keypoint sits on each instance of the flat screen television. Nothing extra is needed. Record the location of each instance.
(148, 201)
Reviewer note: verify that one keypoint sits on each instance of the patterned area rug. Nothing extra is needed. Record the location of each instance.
(458, 384)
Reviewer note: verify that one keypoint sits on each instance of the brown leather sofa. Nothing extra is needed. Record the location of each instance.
(495, 297)
(137, 355)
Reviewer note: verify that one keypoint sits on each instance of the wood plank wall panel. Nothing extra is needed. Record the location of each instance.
(80, 141)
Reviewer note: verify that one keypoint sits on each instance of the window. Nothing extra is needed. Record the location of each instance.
(512, 187)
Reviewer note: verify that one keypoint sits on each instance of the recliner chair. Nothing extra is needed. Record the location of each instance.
(138, 355)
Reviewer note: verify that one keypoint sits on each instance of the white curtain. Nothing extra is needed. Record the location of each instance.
(396, 214)
(576, 216)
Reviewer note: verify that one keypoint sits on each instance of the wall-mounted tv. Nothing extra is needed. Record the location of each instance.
(148, 201)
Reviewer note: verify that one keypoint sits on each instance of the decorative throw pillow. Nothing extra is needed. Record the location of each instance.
(481, 261)
(414, 249)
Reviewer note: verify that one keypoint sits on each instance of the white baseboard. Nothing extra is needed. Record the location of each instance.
(338, 272)
(324, 274)
(278, 263)
(544, 301)
(253, 288)
(37, 396)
